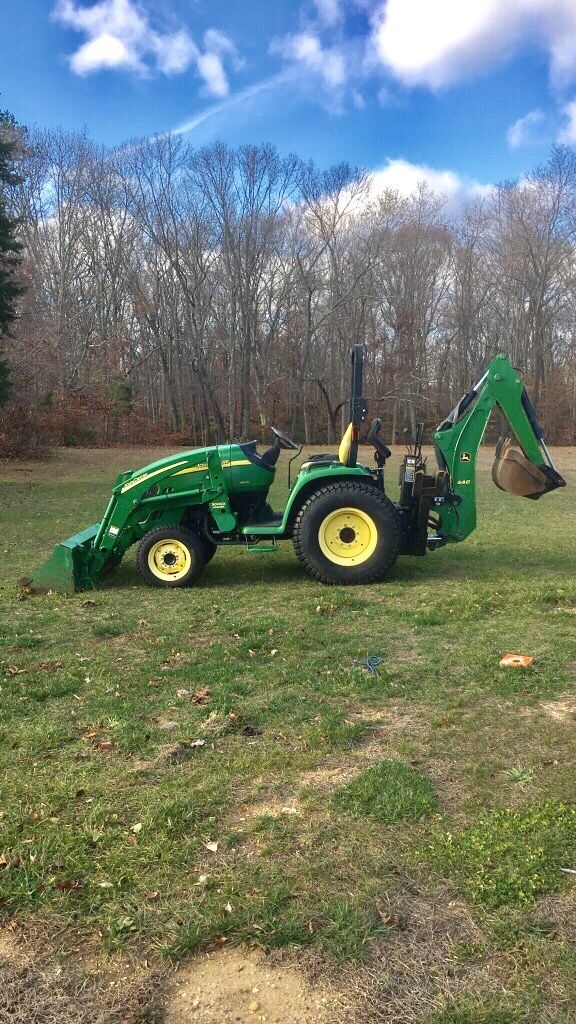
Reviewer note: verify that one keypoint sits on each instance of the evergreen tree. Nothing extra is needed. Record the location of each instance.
(9, 245)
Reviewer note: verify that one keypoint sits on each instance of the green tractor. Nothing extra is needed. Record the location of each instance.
(344, 527)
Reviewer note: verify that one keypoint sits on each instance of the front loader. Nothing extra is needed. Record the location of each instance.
(344, 527)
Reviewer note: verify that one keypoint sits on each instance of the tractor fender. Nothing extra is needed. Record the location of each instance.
(307, 484)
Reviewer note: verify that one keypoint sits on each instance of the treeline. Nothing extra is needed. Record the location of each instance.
(190, 295)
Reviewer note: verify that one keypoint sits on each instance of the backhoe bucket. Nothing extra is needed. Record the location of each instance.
(68, 568)
(514, 473)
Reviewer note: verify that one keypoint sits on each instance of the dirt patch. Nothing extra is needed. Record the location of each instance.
(241, 985)
(271, 809)
(563, 709)
(337, 769)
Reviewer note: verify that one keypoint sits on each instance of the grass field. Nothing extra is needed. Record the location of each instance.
(212, 765)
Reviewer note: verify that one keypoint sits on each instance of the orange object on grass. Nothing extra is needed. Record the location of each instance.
(516, 661)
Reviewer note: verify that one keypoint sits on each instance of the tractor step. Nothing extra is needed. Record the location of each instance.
(262, 549)
(254, 527)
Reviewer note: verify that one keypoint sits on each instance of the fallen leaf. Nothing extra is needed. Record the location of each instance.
(12, 670)
(88, 603)
(66, 885)
(201, 696)
(51, 666)
(213, 847)
(106, 745)
(152, 895)
(137, 828)
(228, 908)
(197, 743)
(272, 653)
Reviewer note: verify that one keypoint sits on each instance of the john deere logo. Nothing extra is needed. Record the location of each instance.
(465, 457)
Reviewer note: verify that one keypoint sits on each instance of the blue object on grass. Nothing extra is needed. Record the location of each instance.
(371, 663)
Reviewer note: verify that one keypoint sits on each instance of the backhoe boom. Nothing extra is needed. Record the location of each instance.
(529, 472)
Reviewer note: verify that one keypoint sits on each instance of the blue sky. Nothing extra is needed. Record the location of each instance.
(462, 92)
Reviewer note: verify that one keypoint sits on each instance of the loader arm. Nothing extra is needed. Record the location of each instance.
(529, 471)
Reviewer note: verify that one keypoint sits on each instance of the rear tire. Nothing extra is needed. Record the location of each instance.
(171, 556)
(210, 549)
(347, 533)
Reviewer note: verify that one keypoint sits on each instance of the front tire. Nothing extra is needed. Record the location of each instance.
(347, 533)
(171, 556)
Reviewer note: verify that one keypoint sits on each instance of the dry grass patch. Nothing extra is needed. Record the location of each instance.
(41, 984)
(434, 956)
(561, 710)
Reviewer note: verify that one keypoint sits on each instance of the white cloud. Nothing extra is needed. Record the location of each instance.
(105, 51)
(526, 131)
(174, 53)
(120, 36)
(211, 70)
(439, 42)
(329, 12)
(568, 132)
(405, 177)
(306, 51)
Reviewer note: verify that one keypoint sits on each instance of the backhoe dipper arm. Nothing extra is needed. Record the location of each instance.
(459, 437)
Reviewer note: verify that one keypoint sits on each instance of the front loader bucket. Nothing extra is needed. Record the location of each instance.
(68, 568)
(514, 473)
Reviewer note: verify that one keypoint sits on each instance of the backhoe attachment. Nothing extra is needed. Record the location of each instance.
(523, 465)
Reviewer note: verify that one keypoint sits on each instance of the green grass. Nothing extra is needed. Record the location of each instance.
(389, 792)
(110, 809)
(510, 857)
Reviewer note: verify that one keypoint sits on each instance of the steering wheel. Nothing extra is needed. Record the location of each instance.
(283, 440)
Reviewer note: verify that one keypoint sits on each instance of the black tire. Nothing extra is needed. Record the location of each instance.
(187, 545)
(210, 549)
(380, 550)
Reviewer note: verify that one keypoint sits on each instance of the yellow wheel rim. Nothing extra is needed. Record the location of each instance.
(348, 536)
(169, 559)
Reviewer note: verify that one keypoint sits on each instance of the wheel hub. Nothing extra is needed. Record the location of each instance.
(348, 536)
(169, 559)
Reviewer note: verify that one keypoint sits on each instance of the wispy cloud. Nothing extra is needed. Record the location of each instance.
(267, 85)
(568, 130)
(304, 51)
(527, 130)
(329, 12)
(119, 35)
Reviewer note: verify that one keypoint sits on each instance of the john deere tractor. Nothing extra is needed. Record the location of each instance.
(344, 527)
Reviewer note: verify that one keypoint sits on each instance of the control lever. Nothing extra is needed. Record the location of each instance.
(372, 437)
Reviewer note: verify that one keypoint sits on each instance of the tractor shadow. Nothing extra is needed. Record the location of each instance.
(492, 564)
